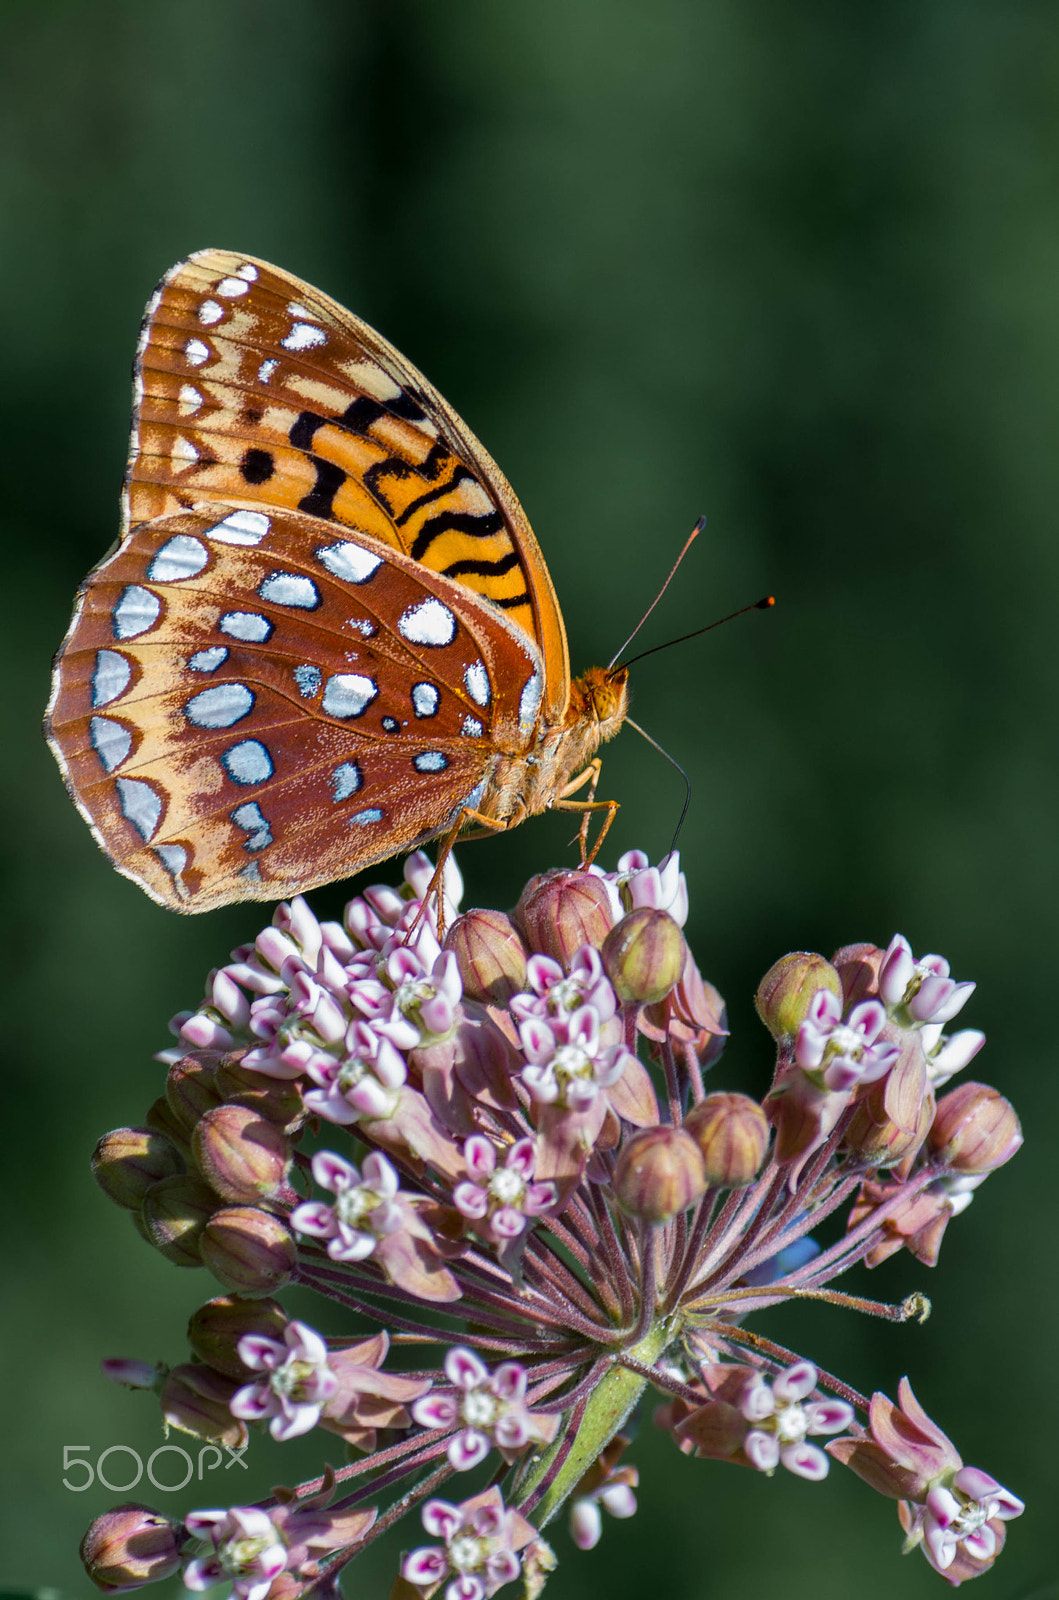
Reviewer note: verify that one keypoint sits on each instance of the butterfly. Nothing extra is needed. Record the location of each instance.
(327, 633)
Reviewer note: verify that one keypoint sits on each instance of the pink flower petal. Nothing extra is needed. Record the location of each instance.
(464, 1369)
(797, 1382)
(467, 1449)
(805, 1461)
(425, 1566)
(762, 1450)
(442, 1519)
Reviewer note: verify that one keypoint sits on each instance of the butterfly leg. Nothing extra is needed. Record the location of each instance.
(590, 775)
(586, 807)
(486, 825)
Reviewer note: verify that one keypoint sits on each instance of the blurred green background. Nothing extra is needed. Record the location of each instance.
(794, 266)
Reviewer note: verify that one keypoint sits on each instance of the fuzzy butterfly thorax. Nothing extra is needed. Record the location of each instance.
(522, 785)
(327, 633)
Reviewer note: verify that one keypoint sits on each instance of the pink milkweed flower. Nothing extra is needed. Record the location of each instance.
(488, 1408)
(480, 1550)
(947, 1054)
(567, 1065)
(960, 1523)
(763, 1422)
(297, 1384)
(503, 1199)
(661, 888)
(424, 1001)
(362, 1083)
(781, 1419)
(556, 996)
(840, 1055)
(363, 1211)
(919, 991)
(245, 1546)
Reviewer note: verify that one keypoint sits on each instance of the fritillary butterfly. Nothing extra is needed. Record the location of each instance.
(327, 633)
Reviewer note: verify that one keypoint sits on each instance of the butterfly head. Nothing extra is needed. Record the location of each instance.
(600, 696)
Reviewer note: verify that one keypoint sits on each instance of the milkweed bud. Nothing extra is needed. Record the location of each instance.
(490, 955)
(974, 1129)
(195, 1400)
(732, 1135)
(215, 1329)
(241, 1156)
(785, 993)
(128, 1161)
(174, 1213)
(659, 1173)
(249, 1251)
(561, 911)
(644, 956)
(858, 967)
(276, 1099)
(191, 1090)
(160, 1119)
(891, 1121)
(129, 1547)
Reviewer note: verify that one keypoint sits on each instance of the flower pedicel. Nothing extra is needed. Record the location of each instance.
(503, 1153)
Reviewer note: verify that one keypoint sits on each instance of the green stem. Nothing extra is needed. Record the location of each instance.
(608, 1408)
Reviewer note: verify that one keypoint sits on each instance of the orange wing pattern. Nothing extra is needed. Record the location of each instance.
(251, 702)
(255, 390)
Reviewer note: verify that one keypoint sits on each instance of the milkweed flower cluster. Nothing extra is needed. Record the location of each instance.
(497, 1144)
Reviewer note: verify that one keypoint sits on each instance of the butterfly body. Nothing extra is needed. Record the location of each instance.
(521, 785)
(327, 633)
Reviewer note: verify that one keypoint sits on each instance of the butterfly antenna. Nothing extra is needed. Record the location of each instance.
(673, 763)
(764, 604)
(688, 542)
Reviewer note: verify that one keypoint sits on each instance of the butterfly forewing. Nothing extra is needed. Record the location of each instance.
(255, 390)
(253, 702)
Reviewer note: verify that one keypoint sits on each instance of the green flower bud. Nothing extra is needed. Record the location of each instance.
(128, 1161)
(561, 911)
(644, 956)
(215, 1329)
(732, 1135)
(191, 1090)
(174, 1213)
(659, 1173)
(195, 1400)
(490, 955)
(249, 1251)
(129, 1547)
(242, 1157)
(160, 1119)
(974, 1129)
(786, 991)
(275, 1099)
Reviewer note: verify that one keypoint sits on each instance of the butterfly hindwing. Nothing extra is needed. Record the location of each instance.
(253, 702)
(256, 390)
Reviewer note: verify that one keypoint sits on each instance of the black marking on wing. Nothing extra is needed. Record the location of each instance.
(429, 469)
(477, 526)
(257, 466)
(511, 601)
(360, 414)
(302, 431)
(329, 479)
(461, 475)
(482, 569)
